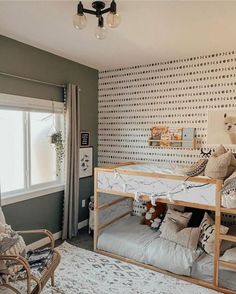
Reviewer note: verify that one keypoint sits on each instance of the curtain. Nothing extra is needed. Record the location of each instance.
(71, 198)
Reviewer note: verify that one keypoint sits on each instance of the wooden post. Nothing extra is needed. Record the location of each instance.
(217, 231)
(96, 211)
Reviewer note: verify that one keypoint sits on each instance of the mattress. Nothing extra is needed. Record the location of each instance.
(118, 181)
(203, 269)
(129, 239)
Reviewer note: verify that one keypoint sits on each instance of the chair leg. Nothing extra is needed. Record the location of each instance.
(52, 280)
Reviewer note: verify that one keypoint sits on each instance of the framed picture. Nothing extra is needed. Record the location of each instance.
(221, 127)
(84, 139)
(86, 162)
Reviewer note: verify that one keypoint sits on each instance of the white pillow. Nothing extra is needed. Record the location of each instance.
(2, 217)
(180, 218)
(229, 255)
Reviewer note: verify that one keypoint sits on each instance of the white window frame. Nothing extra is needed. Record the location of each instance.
(26, 104)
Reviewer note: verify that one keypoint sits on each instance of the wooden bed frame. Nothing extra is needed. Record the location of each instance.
(217, 209)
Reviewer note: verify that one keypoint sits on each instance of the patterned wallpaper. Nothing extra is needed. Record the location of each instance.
(176, 93)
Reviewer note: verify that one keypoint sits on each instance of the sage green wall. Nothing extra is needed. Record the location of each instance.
(23, 60)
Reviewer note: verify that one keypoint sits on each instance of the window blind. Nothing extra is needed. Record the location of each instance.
(15, 102)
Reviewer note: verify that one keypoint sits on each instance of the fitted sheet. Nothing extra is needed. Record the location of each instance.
(129, 239)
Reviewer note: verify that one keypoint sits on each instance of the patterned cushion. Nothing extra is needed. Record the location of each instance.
(229, 184)
(39, 259)
(181, 218)
(207, 237)
(229, 192)
(197, 168)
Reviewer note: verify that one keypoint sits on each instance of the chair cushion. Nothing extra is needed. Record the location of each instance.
(39, 259)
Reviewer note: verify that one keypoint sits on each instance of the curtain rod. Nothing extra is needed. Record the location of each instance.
(32, 80)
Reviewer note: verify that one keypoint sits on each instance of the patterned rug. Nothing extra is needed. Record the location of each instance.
(85, 272)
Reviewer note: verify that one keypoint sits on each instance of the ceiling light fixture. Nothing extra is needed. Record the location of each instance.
(113, 18)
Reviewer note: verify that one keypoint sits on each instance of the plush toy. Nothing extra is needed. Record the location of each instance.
(156, 224)
(153, 212)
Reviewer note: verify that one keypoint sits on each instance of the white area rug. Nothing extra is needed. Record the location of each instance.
(85, 272)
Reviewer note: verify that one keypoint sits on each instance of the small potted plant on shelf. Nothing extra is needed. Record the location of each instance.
(56, 139)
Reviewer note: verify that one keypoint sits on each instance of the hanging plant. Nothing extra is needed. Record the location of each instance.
(56, 139)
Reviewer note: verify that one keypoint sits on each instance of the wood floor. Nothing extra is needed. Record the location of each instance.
(84, 240)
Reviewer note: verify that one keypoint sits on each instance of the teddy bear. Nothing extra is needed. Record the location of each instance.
(156, 224)
(153, 212)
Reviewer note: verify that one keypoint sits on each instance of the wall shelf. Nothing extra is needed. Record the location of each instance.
(167, 143)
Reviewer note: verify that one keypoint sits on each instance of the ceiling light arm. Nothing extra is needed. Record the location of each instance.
(106, 10)
(89, 11)
(98, 6)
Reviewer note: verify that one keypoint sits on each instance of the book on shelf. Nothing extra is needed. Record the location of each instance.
(156, 134)
(165, 138)
(175, 134)
(188, 137)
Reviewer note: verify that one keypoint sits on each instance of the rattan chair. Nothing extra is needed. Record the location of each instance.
(33, 284)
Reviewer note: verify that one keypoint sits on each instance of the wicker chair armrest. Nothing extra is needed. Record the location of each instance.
(22, 261)
(39, 232)
(19, 259)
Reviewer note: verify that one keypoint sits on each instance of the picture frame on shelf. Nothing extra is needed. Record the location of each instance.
(86, 162)
(84, 139)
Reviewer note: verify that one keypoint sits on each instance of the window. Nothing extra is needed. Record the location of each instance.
(11, 150)
(27, 159)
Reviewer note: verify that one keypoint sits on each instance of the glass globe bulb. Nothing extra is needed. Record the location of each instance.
(79, 21)
(100, 33)
(113, 19)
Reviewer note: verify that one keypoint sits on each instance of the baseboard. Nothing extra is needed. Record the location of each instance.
(45, 241)
(83, 224)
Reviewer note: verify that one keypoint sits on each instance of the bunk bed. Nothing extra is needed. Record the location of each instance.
(115, 189)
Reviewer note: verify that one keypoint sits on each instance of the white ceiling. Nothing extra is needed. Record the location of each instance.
(150, 30)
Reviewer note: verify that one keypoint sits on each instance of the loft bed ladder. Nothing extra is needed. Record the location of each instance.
(220, 237)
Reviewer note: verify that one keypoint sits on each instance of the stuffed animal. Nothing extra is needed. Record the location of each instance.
(156, 224)
(153, 212)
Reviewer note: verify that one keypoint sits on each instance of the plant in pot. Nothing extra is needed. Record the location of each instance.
(56, 139)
